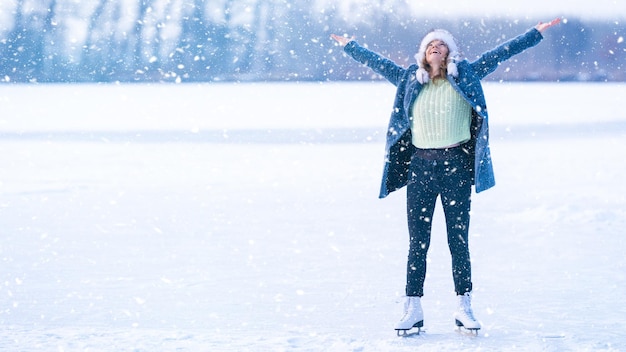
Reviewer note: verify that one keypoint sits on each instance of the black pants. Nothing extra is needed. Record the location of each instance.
(446, 173)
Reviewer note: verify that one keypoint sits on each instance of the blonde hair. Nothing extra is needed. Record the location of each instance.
(453, 57)
(443, 69)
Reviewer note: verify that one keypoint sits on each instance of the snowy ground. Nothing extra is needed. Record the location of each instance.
(245, 218)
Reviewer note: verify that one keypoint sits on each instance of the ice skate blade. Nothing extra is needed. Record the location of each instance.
(468, 331)
(410, 332)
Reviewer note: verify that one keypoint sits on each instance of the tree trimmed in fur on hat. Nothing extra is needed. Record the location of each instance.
(453, 54)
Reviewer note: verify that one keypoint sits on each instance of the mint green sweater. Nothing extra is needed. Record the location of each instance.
(441, 117)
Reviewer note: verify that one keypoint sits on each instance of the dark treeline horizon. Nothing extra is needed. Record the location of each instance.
(268, 41)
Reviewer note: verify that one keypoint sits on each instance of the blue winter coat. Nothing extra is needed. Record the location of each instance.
(399, 147)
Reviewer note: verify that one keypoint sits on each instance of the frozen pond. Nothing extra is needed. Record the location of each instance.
(245, 217)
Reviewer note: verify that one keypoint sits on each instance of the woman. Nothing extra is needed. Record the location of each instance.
(438, 145)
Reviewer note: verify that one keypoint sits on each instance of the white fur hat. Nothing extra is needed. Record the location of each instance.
(453, 54)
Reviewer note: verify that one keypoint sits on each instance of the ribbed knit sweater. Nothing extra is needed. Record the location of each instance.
(441, 117)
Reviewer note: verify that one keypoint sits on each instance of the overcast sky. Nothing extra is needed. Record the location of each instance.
(609, 9)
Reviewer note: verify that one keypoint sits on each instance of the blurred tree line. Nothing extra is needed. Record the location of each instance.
(269, 40)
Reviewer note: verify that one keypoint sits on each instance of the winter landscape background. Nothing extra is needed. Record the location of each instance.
(288, 40)
(244, 217)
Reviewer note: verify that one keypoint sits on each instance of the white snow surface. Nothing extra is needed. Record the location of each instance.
(245, 217)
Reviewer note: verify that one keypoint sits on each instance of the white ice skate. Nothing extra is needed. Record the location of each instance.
(413, 316)
(464, 316)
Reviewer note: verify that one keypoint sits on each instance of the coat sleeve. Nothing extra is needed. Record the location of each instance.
(489, 61)
(379, 64)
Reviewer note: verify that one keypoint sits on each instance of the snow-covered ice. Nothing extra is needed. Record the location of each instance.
(245, 217)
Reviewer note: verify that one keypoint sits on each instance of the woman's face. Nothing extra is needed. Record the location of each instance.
(436, 52)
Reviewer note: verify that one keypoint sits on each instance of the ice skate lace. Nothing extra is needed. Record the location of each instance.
(467, 308)
(409, 310)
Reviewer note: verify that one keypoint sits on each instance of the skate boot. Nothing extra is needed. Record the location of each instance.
(413, 316)
(464, 316)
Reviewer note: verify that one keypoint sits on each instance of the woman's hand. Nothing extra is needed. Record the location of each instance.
(341, 39)
(543, 26)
